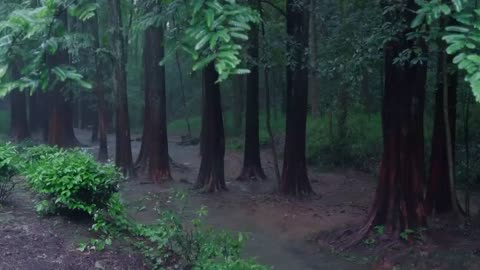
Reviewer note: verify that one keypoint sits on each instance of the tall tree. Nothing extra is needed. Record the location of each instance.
(439, 197)
(295, 177)
(252, 166)
(99, 91)
(153, 156)
(123, 150)
(398, 203)
(60, 119)
(211, 176)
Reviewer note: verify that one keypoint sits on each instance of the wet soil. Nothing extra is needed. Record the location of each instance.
(285, 233)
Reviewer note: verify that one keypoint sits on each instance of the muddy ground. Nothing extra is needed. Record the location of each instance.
(287, 234)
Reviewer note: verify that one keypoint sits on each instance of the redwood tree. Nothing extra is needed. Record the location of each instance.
(60, 118)
(295, 177)
(211, 176)
(123, 151)
(252, 166)
(153, 157)
(398, 203)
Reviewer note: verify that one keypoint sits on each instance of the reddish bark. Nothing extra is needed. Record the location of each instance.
(398, 203)
(60, 122)
(60, 119)
(438, 196)
(153, 157)
(295, 177)
(211, 177)
(252, 166)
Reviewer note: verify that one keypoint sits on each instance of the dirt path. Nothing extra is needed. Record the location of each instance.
(279, 229)
(28, 242)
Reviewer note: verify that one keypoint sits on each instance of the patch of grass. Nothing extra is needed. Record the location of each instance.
(179, 126)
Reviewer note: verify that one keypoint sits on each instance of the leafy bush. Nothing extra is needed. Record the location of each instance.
(8, 169)
(192, 246)
(171, 241)
(38, 152)
(70, 180)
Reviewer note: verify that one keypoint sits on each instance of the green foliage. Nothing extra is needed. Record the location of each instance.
(29, 34)
(463, 41)
(70, 180)
(8, 168)
(73, 180)
(215, 30)
(360, 149)
(191, 245)
(462, 36)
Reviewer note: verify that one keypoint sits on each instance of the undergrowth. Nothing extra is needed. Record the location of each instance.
(8, 168)
(72, 182)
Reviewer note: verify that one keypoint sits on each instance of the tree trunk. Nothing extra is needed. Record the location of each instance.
(184, 98)
(123, 150)
(398, 203)
(154, 157)
(295, 177)
(252, 166)
(60, 121)
(18, 116)
(438, 196)
(211, 177)
(313, 79)
(101, 123)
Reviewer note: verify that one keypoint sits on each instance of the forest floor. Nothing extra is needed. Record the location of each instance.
(285, 233)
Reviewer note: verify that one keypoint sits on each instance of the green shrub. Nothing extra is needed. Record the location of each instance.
(8, 168)
(192, 246)
(70, 180)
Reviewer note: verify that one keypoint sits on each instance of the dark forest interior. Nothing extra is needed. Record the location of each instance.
(240, 134)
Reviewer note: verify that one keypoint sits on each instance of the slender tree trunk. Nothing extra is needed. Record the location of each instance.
(154, 157)
(211, 177)
(439, 191)
(295, 177)
(184, 98)
(313, 80)
(398, 203)
(252, 165)
(269, 128)
(466, 139)
(123, 150)
(101, 123)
